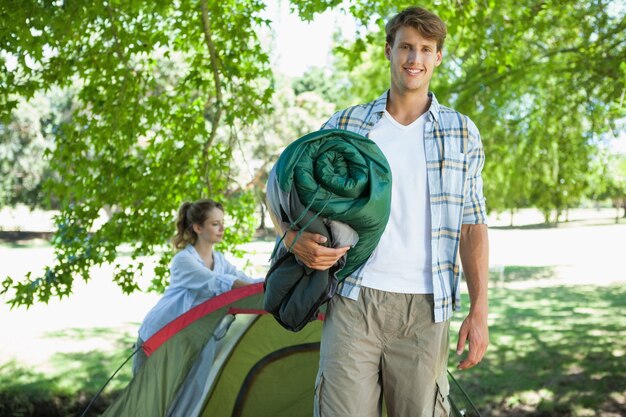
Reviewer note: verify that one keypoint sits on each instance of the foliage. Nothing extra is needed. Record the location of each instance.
(613, 184)
(23, 143)
(165, 94)
(160, 87)
(21, 159)
(296, 112)
(325, 83)
(543, 83)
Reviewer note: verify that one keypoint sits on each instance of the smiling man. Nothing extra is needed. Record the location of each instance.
(386, 332)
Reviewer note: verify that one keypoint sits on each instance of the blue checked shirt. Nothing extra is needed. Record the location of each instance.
(454, 158)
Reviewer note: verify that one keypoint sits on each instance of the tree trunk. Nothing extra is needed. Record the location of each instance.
(262, 225)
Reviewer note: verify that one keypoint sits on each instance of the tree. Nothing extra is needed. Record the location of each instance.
(22, 147)
(164, 91)
(612, 183)
(543, 83)
(24, 143)
(324, 82)
(140, 139)
(296, 112)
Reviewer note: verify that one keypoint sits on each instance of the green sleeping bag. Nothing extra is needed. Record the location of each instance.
(342, 176)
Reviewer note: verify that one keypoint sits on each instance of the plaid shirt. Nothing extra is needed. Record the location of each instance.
(454, 159)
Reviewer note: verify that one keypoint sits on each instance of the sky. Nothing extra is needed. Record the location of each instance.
(299, 45)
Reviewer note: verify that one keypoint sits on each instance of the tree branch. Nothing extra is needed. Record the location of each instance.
(116, 38)
(119, 50)
(214, 59)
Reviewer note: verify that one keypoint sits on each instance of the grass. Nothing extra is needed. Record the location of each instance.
(514, 273)
(557, 351)
(90, 370)
(71, 384)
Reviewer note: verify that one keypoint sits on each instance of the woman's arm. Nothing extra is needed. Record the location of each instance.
(188, 273)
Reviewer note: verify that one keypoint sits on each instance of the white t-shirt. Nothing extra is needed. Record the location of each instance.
(402, 261)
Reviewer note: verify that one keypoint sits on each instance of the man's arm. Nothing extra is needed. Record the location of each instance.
(309, 246)
(474, 251)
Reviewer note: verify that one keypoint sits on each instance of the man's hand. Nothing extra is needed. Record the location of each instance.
(474, 252)
(474, 330)
(310, 250)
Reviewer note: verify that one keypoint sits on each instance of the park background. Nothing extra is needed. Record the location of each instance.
(113, 114)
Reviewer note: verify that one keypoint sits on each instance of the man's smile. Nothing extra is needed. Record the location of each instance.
(414, 71)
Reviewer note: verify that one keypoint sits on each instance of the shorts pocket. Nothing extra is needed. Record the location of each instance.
(442, 404)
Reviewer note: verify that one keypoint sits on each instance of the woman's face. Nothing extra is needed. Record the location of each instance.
(212, 230)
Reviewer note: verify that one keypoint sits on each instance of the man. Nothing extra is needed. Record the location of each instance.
(386, 332)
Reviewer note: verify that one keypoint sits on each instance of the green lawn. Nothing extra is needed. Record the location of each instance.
(556, 351)
(69, 387)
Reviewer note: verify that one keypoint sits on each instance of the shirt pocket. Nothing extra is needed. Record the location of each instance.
(453, 174)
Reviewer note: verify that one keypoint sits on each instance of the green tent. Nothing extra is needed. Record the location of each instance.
(226, 357)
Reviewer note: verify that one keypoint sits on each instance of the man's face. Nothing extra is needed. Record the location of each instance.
(413, 59)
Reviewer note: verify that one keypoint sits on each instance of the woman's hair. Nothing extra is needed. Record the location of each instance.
(428, 24)
(188, 215)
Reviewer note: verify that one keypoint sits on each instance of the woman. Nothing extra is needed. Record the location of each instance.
(197, 272)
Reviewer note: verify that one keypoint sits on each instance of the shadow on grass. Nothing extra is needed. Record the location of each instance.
(515, 273)
(91, 369)
(556, 351)
(605, 221)
(24, 239)
(73, 381)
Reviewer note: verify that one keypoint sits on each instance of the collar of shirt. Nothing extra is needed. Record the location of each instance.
(191, 251)
(380, 104)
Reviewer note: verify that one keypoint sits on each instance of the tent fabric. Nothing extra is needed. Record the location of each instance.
(227, 358)
(196, 313)
(345, 177)
(198, 363)
(173, 352)
(271, 377)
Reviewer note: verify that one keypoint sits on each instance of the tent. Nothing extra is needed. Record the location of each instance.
(227, 357)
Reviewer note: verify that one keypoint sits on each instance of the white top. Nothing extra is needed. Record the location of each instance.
(191, 283)
(402, 261)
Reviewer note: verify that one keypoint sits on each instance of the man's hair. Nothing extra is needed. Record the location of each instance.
(428, 24)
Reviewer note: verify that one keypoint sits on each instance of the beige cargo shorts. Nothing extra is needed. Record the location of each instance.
(383, 346)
